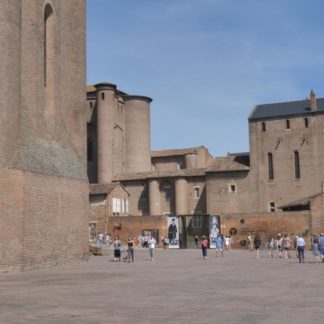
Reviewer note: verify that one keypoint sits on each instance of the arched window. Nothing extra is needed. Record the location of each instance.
(270, 166)
(49, 46)
(297, 165)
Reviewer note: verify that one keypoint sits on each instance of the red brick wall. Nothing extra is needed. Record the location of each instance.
(317, 205)
(43, 220)
(266, 224)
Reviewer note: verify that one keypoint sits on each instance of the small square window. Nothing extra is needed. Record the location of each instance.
(232, 188)
(272, 206)
(196, 192)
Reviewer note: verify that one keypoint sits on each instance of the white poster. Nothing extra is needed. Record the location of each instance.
(173, 232)
(213, 230)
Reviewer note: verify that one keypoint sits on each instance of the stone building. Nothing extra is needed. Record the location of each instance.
(44, 187)
(284, 166)
(245, 190)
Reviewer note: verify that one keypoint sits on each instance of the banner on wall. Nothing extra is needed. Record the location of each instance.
(213, 230)
(173, 232)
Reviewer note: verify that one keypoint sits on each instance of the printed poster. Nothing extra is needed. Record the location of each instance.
(213, 230)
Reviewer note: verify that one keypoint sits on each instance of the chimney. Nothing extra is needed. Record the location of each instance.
(312, 98)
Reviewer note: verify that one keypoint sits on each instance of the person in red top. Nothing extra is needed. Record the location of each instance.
(204, 246)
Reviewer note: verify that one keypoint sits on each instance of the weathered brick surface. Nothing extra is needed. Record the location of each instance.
(265, 224)
(44, 195)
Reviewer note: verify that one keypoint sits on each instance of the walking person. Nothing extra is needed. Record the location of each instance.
(204, 246)
(271, 245)
(250, 240)
(130, 248)
(151, 245)
(286, 246)
(219, 245)
(315, 249)
(301, 248)
(321, 246)
(117, 248)
(257, 244)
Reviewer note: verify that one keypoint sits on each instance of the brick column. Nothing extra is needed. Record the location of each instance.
(154, 197)
(181, 196)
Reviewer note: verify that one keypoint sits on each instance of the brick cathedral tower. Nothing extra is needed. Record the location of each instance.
(43, 181)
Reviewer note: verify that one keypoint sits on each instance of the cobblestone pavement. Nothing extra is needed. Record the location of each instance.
(178, 287)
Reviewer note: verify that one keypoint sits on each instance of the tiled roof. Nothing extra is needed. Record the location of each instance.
(102, 188)
(160, 174)
(175, 152)
(285, 109)
(231, 162)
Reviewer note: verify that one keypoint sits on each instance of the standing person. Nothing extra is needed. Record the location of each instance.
(130, 248)
(286, 246)
(301, 248)
(271, 244)
(204, 246)
(219, 245)
(257, 244)
(108, 239)
(279, 245)
(227, 243)
(151, 245)
(321, 246)
(250, 240)
(196, 241)
(315, 249)
(117, 248)
(101, 239)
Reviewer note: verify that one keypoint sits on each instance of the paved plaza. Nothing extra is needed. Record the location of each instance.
(179, 287)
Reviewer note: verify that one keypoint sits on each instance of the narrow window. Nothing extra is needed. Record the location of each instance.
(90, 104)
(89, 151)
(272, 206)
(263, 127)
(297, 165)
(287, 124)
(102, 95)
(306, 122)
(196, 192)
(270, 166)
(48, 44)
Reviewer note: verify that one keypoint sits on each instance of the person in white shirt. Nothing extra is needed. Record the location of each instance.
(301, 248)
(151, 244)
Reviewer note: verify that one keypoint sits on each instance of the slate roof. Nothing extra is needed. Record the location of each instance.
(281, 109)
(231, 162)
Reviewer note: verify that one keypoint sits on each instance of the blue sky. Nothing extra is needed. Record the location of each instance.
(206, 63)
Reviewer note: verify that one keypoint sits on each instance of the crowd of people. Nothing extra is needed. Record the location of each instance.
(145, 241)
(280, 246)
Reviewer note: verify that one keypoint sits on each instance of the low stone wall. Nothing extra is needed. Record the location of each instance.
(265, 224)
